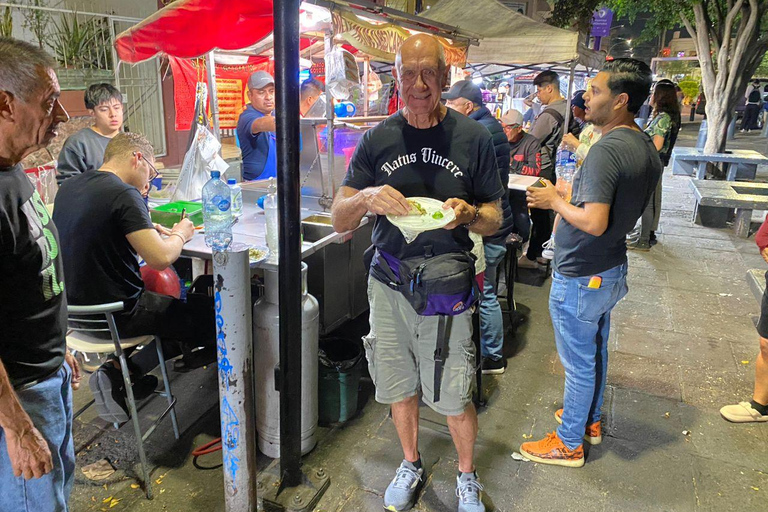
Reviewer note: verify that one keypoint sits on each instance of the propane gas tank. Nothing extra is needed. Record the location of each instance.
(266, 355)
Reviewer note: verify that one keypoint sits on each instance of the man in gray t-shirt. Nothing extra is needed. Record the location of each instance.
(610, 192)
(84, 150)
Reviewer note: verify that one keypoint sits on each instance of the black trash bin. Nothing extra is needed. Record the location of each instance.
(339, 374)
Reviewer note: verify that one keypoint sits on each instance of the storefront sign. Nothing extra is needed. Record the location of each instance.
(383, 40)
(601, 22)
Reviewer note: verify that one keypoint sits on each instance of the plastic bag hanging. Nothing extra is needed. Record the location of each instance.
(202, 155)
(341, 73)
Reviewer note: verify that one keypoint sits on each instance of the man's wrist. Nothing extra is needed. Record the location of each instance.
(182, 237)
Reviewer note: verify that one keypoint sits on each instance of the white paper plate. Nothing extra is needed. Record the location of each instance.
(424, 222)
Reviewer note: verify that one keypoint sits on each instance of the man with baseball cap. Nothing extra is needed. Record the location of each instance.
(525, 159)
(256, 129)
(466, 98)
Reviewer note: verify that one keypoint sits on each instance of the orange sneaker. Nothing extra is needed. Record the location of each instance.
(551, 450)
(593, 433)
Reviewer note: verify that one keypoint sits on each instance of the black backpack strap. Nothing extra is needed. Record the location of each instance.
(441, 352)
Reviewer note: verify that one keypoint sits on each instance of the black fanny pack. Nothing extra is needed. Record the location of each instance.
(441, 285)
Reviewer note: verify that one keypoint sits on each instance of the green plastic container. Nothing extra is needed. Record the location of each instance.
(339, 372)
(169, 214)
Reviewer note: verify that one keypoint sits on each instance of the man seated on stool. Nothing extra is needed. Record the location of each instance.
(105, 228)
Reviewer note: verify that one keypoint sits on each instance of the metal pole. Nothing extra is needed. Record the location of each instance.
(235, 375)
(568, 114)
(329, 115)
(367, 64)
(289, 273)
(210, 69)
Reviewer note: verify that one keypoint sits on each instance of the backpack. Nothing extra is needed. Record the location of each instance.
(573, 125)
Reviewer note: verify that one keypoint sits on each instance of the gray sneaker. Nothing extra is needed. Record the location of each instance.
(470, 493)
(402, 492)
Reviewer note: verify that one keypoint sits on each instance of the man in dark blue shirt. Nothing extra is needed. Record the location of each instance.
(256, 129)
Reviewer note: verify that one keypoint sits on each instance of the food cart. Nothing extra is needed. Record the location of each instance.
(306, 183)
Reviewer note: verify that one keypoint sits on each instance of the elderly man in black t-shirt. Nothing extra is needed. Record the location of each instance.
(422, 150)
(610, 192)
(37, 457)
(104, 225)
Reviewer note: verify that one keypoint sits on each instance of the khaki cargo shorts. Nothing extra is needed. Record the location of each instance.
(400, 350)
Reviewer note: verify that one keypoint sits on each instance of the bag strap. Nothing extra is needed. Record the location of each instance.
(383, 265)
(441, 352)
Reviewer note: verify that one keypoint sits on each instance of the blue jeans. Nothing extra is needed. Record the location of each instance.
(491, 321)
(581, 317)
(49, 405)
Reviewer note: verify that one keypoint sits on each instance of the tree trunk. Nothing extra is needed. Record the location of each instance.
(719, 113)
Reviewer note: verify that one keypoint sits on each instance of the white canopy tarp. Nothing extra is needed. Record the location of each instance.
(509, 38)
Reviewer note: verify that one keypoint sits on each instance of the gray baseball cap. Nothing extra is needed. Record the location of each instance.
(259, 80)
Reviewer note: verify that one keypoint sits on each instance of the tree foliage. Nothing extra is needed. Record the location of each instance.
(730, 36)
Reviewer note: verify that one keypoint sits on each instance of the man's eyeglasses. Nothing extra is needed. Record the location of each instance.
(153, 172)
(510, 126)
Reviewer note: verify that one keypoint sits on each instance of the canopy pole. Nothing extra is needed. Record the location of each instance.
(329, 115)
(290, 488)
(568, 113)
(210, 70)
(367, 64)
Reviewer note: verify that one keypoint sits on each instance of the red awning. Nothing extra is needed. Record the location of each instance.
(192, 28)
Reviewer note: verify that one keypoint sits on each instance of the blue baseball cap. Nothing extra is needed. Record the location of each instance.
(578, 100)
(465, 89)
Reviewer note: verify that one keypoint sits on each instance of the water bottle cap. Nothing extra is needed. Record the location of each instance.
(231, 181)
(215, 174)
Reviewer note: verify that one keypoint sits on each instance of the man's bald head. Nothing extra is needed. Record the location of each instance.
(421, 45)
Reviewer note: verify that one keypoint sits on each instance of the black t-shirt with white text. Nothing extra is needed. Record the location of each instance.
(455, 158)
(94, 212)
(33, 307)
(621, 170)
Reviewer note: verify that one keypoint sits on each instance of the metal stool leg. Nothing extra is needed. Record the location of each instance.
(167, 385)
(135, 420)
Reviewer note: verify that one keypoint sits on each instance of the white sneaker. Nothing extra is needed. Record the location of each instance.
(549, 249)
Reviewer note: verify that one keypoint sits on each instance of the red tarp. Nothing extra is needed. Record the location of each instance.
(192, 28)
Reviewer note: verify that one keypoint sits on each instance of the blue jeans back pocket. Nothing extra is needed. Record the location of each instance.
(595, 302)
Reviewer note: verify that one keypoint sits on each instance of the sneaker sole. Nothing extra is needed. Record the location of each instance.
(594, 441)
(109, 410)
(576, 463)
(641, 249)
(744, 419)
(410, 505)
(494, 371)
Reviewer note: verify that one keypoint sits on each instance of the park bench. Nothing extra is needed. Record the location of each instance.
(715, 199)
(739, 164)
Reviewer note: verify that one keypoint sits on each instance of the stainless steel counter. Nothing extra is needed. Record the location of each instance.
(250, 229)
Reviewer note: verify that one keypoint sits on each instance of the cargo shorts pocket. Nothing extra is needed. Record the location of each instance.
(369, 344)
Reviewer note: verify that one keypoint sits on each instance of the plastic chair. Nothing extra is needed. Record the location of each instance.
(99, 318)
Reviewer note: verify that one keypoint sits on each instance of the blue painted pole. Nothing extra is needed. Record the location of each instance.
(231, 275)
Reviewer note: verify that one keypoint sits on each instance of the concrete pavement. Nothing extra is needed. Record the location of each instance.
(682, 344)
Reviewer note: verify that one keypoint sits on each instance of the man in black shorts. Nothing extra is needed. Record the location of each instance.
(756, 410)
(422, 150)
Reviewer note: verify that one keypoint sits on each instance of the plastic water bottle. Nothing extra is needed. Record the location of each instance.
(237, 198)
(217, 213)
(270, 210)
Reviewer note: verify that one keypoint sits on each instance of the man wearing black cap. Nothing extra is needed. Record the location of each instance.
(465, 97)
(256, 129)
